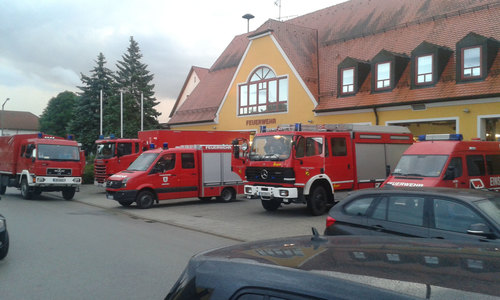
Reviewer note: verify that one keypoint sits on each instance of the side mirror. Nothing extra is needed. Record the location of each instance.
(236, 151)
(450, 173)
(479, 229)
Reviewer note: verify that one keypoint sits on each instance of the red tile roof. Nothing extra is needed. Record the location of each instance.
(317, 42)
(19, 120)
(201, 73)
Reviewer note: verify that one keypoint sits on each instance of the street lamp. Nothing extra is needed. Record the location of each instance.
(1, 116)
(248, 17)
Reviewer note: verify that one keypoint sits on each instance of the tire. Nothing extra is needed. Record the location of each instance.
(3, 187)
(145, 199)
(317, 202)
(68, 193)
(227, 195)
(125, 203)
(271, 205)
(205, 199)
(5, 249)
(25, 189)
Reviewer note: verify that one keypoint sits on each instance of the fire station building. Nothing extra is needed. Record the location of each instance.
(430, 65)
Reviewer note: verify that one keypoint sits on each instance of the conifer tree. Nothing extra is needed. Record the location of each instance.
(86, 118)
(133, 78)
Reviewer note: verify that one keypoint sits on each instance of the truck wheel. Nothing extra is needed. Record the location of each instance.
(271, 205)
(68, 194)
(317, 201)
(5, 249)
(227, 195)
(125, 203)
(145, 199)
(2, 186)
(25, 189)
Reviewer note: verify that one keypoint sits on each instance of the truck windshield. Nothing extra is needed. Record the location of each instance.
(106, 150)
(420, 165)
(58, 152)
(143, 162)
(271, 147)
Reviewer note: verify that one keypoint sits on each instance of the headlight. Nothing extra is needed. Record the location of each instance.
(77, 179)
(124, 182)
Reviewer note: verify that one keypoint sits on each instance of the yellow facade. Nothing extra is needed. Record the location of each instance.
(473, 118)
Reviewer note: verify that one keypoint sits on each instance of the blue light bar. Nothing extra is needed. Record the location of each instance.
(298, 127)
(263, 128)
(165, 146)
(40, 135)
(111, 136)
(101, 137)
(441, 137)
(151, 146)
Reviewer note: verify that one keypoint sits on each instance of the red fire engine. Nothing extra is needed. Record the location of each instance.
(37, 162)
(445, 160)
(202, 171)
(114, 155)
(307, 163)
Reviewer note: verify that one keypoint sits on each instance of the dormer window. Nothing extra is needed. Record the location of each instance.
(427, 64)
(383, 76)
(475, 56)
(351, 74)
(387, 69)
(471, 66)
(424, 69)
(347, 81)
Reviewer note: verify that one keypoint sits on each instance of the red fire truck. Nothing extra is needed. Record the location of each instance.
(307, 163)
(114, 155)
(445, 160)
(36, 163)
(202, 171)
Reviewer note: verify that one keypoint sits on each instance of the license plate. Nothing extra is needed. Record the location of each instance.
(109, 196)
(59, 180)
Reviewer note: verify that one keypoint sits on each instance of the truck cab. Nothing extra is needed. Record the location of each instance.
(181, 172)
(114, 155)
(308, 163)
(445, 160)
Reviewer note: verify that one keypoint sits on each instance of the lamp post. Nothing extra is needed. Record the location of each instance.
(248, 17)
(1, 116)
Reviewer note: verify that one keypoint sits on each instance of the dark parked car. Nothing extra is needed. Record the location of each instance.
(4, 238)
(343, 267)
(441, 213)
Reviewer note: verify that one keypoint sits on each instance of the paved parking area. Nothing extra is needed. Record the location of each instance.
(242, 220)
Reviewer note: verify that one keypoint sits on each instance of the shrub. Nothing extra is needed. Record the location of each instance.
(88, 174)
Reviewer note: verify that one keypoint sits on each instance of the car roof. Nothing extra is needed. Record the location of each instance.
(467, 195)
(406, 266)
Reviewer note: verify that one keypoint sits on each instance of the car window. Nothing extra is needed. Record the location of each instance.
(187, 160)
(358, 207)
(454, 216)
(475, 165)
(380, 211)
(406, 209)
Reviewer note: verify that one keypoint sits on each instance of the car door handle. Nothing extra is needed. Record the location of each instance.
(378, 227)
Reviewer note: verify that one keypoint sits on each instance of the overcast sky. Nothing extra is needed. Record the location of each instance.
(46, 44)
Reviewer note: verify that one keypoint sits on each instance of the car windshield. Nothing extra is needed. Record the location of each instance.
(271, 147)
(58, 152)
(106, 150)
(491, 208)
(143, 162)
(420, 165)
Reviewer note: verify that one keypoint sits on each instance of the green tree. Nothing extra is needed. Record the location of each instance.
(86, 118)
(134, 79)
(58, 113)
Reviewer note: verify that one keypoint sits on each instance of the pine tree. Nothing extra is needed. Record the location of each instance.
(133, 78)
(86, 118)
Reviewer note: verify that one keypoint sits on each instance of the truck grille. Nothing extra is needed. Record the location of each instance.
(276, 175)
(100, 172)
(59, 172)
(114, 184)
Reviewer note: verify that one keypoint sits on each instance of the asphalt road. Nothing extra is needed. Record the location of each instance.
(71, 250)
(241, 220)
